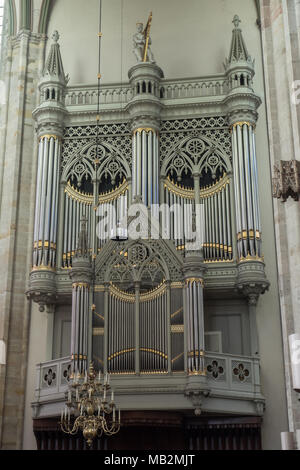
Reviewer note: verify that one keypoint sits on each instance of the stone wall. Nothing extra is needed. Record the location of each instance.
(280, 37)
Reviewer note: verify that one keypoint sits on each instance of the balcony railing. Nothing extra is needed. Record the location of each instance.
(115, 95)
(225, 372)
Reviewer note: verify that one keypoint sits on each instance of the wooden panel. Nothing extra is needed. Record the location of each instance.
(161, 431)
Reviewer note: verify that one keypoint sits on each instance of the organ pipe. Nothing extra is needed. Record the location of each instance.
(216, 216)
(46, 206)
(246, 191)
(79, 328)
(195, 324)
(146, 166)
(77, 204)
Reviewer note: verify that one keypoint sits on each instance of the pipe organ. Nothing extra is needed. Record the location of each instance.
(138, 305)
(166, 317)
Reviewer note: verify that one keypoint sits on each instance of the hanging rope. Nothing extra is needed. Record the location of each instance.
(97, 161)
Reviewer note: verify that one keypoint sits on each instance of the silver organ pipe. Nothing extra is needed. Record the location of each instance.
(76, 204)
(79, 328)
(195, 320)
(46, 206)
(246, 193)
(153, 331)
(216, 216)
(146, 165)
(120, 330)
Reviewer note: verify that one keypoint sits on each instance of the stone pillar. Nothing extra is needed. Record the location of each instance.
(144, 109)
(22, 62)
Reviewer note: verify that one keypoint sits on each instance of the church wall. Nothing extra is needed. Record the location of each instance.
(39, 351)
(230, 317)
(280, 34)
(18, 163)
(198, 33)
(61, 332)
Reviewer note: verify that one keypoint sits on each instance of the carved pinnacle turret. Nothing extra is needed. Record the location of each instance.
(54, 69)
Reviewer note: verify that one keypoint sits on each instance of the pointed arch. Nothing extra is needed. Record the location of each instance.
(114, 254)
(195, 155)
(107, 155)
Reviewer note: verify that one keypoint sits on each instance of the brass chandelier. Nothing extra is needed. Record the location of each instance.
(88, 403)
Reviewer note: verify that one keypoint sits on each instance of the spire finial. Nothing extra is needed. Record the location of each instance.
(236, 21)
(55, 36)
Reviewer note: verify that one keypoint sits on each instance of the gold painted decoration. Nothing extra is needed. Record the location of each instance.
(179, 190)
(98, 331)
(177, 285)
(114, 194)
(245, 234)
(191, 280)
(139, 130)
(197, 372)
(153, 372)
(88, 198)
(205, 192)
(177, 328)
(81, 285)
(243, 123)
(127, 297)
(120, 353)
(177, 312)
(79, 196)
(177, 357)
(209, 261)
(215, 188)
(43, 267)
(251, 258)
(120, 294)
(49, 136)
